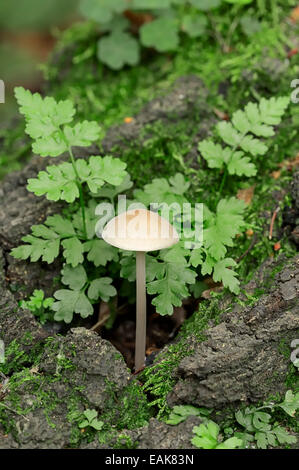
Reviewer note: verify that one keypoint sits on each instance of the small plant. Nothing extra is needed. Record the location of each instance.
(180, 413)
(91, 420)
(207, 437)
(170, 273)
(258, 426)
(126, 25)
(39, 306)
(48, 123)
(239, 136)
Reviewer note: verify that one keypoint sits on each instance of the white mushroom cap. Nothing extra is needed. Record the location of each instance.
(140, 230)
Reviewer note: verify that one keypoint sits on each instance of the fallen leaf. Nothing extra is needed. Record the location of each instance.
(127, 120)
(276, 174)
(246, 195)
(292, 52)
(207, 293)
(150, 350)
(221, 114)
(295, 15)
(138, 19)
(290, 164)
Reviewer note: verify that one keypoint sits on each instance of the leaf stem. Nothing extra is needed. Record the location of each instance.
(224, 176)
(81, 196)
(225, 173)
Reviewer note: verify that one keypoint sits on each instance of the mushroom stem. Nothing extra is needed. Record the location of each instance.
(140, 311)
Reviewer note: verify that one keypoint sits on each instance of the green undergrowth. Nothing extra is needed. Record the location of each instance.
(20, 354)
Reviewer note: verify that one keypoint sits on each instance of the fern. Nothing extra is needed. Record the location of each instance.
(239, 135)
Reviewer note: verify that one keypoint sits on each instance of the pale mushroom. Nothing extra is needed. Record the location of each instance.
(140, 230)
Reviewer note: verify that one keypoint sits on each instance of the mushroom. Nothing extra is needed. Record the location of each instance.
(140, 230)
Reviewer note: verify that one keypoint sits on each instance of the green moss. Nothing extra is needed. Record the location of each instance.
(18, 356)
(128, 409)
(159, 379)
(292, 379)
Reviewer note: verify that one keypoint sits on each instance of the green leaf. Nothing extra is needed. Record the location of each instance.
(161, 191)
(240, 165)
(239, 2)
(162, 34)
(43, 115)
(261, 440)
(172, 287)
(273, 109)
(229, 134)
(118, 49)
(45, 240)
(245, 420)
(194, 26)
(260, 421)
(37, 248)
(226, 276)
(207, 265)
(111, 193)
(283, 436)
(99, 252)
(179, 184)
(109, 169)
(102, 11)
(70, 302)
(101, 288)
(149, 4)
(206, 435)
(241, 122)
(62, 226)
(51, 146)
(205, 5)
(250, 25)
(82, 134)
(227, 224)
(214, 154)
(73, 251)
(84, 424)
(58, 182)
(90, 415)
(196, 258)
(97, 425)
(181, 413)
(231, 443)
(254, 146)
(128, 268)
(291, 403)
(75, 278)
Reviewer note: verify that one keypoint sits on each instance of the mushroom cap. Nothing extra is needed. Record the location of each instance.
(140, 230)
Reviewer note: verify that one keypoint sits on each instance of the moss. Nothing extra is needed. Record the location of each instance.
(128, 409)
(17, 356)
(124, 442)
(284, 348)
(159, 379)
(292, 379)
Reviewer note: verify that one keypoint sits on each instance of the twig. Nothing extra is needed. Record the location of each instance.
(14, 411)
(100, 323)
(3, 376)
(253, 242)
(272, 222)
